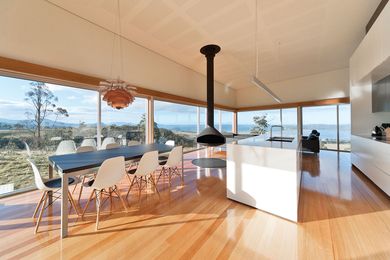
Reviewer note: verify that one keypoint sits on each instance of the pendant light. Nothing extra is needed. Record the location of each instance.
(116, 92)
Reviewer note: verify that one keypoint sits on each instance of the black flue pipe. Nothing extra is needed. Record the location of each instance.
(209, 51)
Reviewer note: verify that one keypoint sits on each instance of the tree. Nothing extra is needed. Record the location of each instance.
(261, 125)
(43, 102)
(60, 112)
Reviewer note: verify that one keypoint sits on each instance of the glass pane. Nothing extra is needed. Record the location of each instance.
(125, 125)
(290, 122)
(175, 122)
(345, 127)
(259, 122)
(227, 122)
(203, 120)
(70, 115)
(324, 120)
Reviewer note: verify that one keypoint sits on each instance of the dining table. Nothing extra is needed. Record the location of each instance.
(75, 164)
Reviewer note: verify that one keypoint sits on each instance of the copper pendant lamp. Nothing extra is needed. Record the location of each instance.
(117, 93)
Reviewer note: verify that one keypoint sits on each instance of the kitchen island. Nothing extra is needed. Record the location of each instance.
(265, 175)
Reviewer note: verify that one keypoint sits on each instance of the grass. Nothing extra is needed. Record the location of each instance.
(15, 169)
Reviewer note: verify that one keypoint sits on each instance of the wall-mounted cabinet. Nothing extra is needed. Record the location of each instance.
(381, 95)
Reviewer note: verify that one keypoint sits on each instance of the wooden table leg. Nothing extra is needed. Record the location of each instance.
(50, 193)
(64, 206)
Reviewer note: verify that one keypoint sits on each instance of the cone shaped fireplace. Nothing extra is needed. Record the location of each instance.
(210, 136)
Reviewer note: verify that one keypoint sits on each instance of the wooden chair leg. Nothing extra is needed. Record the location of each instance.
(162, 173)
(154, 183)
(98, 196)
(73, 204)
(117, 192)
(81, 189)
(74, 188)
(131, 185)
(139, 188)
(86, 205)
(39, 204)
(170, 176)
(110, 194)
(40, 213)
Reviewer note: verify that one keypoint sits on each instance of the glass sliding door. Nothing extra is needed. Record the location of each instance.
(176, 122)
(125, 125)
(290, 122)
(345, 127)
(324, 120)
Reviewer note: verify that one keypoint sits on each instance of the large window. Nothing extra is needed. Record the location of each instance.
(259, 122)
(125, 125)
(41, 115)
(290, 122)
(345, 127)
(333, 122)
(324, 120)
(175, 122)
(223, 121)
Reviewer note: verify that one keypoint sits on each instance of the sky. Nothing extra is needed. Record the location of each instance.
(82, 107)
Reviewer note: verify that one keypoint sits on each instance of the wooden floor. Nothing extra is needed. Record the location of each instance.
(343, 216)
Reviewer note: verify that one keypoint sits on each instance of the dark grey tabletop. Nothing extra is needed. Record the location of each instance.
(80, 161)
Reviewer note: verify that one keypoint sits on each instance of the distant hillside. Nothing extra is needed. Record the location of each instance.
(10, 123)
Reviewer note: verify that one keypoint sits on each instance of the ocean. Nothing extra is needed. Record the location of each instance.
(326, 131)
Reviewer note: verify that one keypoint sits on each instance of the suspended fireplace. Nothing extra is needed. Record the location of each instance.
(210, 136)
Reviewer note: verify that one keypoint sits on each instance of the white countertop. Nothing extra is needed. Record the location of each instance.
(261, 141)
(381, 139)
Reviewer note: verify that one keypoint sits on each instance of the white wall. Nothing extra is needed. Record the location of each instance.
(369, 63)
(331, 84)
(38, 32)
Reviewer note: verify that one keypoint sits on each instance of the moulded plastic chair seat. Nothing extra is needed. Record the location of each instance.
(106, 141)
(170, 167)
(112, 146)
(109, 174)
(170, 142)
(165, 157)
(86, 149)
(132, 143)
(88, 142)
(66, 147)
(84, 173)
(147, 165)
(52, 185)
(134, 162)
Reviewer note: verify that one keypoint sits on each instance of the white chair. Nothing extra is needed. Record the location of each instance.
(106, 141)
(85, 149)
(46, 186)
(85, 173)
(132, 143)
(170, 167)
(109, 174)
(88, 142)
(66, 147)
(143, 174)
(132, 163)
(165, 157)
(112, 146)
(170, 142)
